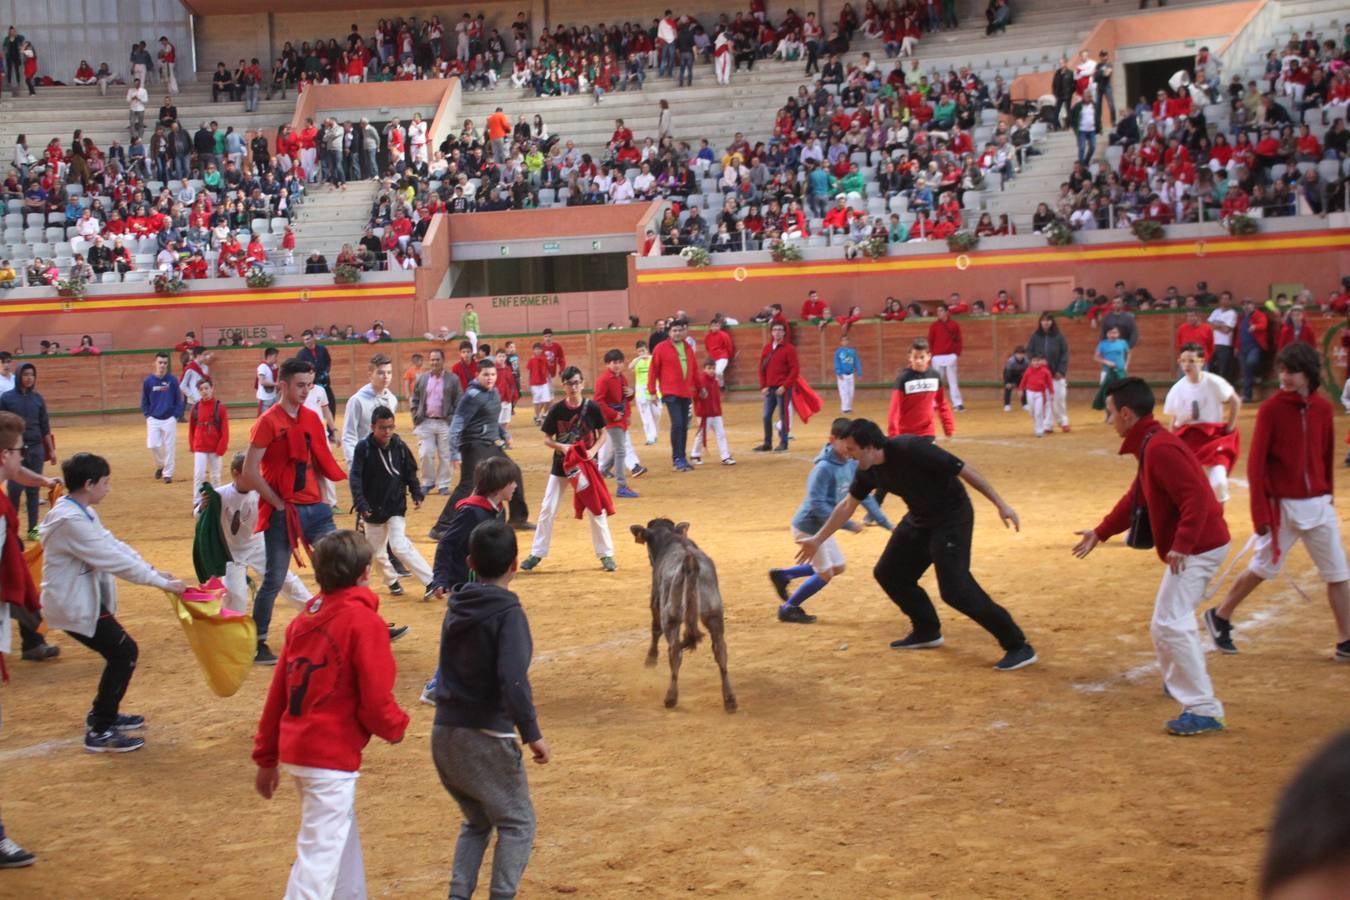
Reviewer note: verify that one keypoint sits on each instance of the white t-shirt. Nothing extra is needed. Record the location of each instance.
(1222, 316)
(238, 518)
(317, 400)
(1199, 402)
(6, 383)
(264, 376)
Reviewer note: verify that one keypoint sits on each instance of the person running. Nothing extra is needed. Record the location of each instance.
(1186, 529)
(917, 395)
(162, 406)
(1204, 410)
(1289, 474)
(944, 336)
(936, 531)
(574, 428)
(383, 473)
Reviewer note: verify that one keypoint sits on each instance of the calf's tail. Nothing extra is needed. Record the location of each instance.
(690, 569)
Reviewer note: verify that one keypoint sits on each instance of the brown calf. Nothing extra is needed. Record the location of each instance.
(684, 590)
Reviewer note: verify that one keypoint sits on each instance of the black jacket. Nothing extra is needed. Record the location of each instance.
(451, 567)
(1063, 84)
(485, 660)
(380, 478)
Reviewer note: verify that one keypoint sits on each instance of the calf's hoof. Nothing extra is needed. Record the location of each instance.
(730, 704)
(650, 661)
(671, 700)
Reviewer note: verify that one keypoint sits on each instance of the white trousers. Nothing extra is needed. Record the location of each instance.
(394, 534)
(328, 863)
(649, 410)
(720, 368)
(945, 363)
(308, 156)
(722, 65)
(1176, 637)
(705, 425)
(472, 338)
(845, 383)
(1042, 412)
(201, 463)
(1060, 401)
(161, 436)
(433, 452)
(1218, 480)
(601, 542)
(254, 557)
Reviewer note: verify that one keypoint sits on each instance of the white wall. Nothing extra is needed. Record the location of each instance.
(64, 32)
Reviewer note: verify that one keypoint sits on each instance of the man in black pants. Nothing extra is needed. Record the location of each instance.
(935, 532)
(476, 434)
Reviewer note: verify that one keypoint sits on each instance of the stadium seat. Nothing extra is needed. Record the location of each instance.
(259, 226)
(108, 278)
(278, 224)
(55, 235)
(56, 218)
(1329, 169)
(36, 220)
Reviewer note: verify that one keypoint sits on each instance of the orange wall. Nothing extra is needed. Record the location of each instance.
(525, 314)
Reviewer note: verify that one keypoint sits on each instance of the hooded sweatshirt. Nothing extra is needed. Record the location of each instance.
(1298, 466)
(161, 398)
(333, 686)
(451, 567)
(356, 420)
(485, 658)
(381, 477)
(830, 477)
(29, 406)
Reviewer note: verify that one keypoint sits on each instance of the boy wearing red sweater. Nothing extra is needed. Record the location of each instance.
(333, 690)
(208, 434)
(708, 407)
(918, 393)
(1289, 471)
(507, 388)
(614, 396)
(779, 369)
(1038, 386)
(540, 381)
(717, 342)
(1189, 535)
(944, 337)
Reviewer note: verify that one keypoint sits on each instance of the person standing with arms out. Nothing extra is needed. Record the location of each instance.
(672, 372)
(572, 423)
(648, 402)
(1038, 387)
(708, 407)
(287, 448)
(936, 531)
(265, 380)
(1289, 473)
(317, 355)
(334, 690)
(39, 445)
(81, 561)
(468, 323)
(162, 406)
(944, 338)
(1185, 526)
(434, 396)
(208, 436)
(917, 395)
(779, 368)
(383, 472)
(847, 368)
(718, 344)
(482, 702)
(614, 396)
(1204, 410)
(1049, 341)
(1223, 321)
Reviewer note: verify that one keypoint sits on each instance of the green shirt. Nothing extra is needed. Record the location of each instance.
(469, 322)
(684, 363)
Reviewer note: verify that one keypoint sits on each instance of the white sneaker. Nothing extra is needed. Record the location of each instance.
(1007, 408)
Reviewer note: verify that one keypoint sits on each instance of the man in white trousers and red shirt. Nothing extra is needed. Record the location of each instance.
(1190, 536)
(944, 339)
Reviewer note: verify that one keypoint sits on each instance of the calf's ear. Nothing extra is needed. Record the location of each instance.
(682, 529)
(639, 533)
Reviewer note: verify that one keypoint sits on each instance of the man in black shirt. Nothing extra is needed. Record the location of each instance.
(935, 532)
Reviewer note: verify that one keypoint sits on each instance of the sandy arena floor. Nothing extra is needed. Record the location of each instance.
(850, 770)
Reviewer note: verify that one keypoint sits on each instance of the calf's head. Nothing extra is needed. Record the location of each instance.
(658, 535)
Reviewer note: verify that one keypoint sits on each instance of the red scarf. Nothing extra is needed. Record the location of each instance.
(16, 581)
(475, 500)
(588, 487)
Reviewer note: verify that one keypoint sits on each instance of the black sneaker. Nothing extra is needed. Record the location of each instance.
(522, 526)
(399, 568)
(42, 652)
(159, 473)
(12, 856)
(914, 641)
(264, 656)
(795, 614)
(781, 448)
(1220, 630)
(435, 535)
(763, 448)
(111, 741)
(396, 632)
(780, 583)
(1020, 658)
(125, 722)
(1342, 652)
(396, 589)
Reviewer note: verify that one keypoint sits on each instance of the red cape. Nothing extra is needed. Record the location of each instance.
(805, 401)
(588, 487)
(1210, 445)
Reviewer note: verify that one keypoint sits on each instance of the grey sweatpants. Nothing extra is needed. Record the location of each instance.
(486, 776)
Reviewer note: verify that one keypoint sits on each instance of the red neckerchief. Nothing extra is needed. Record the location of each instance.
(475, 500)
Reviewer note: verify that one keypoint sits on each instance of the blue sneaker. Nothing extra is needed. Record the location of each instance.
(628, 493)
(1189, 725)
(429, 691)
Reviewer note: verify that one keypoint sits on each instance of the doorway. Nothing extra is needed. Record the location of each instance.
(1145, 79)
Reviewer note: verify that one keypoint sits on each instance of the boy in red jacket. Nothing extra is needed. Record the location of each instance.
(1038, 386)
(208, 434)
(708, 407)
(507, 388)
(918, 393)
(614, 396)
(779, 368)
(1189, 535)
(540, 381)
(1289, 471)
(333, 690)
(944, 337)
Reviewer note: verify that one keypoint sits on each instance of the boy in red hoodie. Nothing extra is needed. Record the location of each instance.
(540, 381)
(333, 690)
(208, 434)
(1289, 471)
(708, 407)
(918, 393)
(614, 396)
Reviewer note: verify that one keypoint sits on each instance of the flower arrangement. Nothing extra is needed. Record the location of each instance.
(962, 241)
(345, 274)
(1057, 234)
(258, 277)
(782, 251)
(695, 257)
(1146, 230)
(71, 287)
(874, 247)
(1238, 224)
(168, 283)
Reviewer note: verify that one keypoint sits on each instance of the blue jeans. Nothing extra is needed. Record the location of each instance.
(667, 62)
(686, 67)
(316, 520)
(678, 410)
(1251, 367)
(780, 404)
(1087, 144)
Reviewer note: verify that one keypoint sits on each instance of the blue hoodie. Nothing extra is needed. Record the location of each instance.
(846, 362)
(831, 475)
(161, 398)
